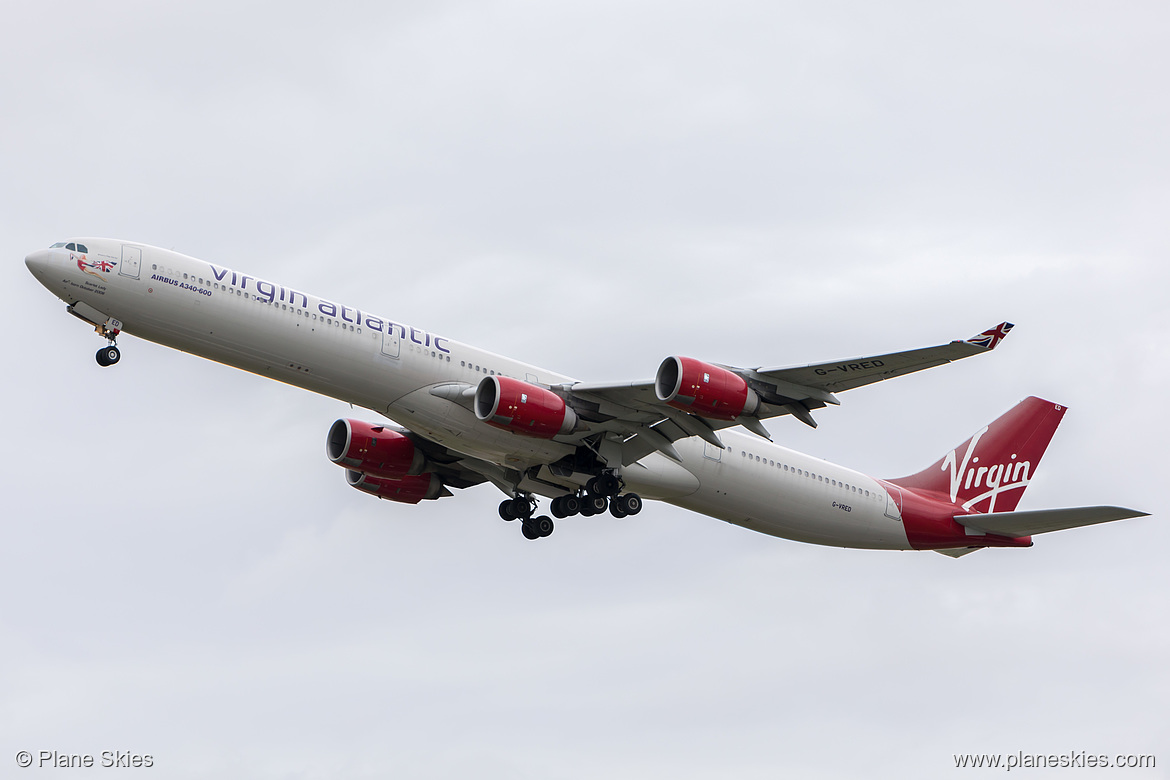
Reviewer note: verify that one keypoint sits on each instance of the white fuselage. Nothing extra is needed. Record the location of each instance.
(367, 360)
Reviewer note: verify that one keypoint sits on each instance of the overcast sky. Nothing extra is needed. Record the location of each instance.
(589, 187)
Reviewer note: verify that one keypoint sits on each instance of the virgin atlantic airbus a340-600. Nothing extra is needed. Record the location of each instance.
(458, 416)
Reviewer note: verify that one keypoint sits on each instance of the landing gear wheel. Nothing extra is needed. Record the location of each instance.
(543, 525)
(522, 507)
(594, 505)
(506, 510)
(108, 356)
(565, 506)
(615, 508)
(630, 503)
(529, 529)
(608, 485)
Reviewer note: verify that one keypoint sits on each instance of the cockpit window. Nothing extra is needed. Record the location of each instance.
(57, 245)
(81, 248)
(71, 247)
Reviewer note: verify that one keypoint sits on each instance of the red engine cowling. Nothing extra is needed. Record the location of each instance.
(373, 449)
(704, 389)
(408, 490)
(522, 407)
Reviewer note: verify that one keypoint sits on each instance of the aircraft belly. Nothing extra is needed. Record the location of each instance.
(458, 429)
(657, 476)
(801, 520)
(258, 338)
(288, 353)
(788, 504)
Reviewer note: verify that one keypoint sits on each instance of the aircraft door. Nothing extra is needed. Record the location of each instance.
(391, 341)
(893, 503)
(711, 452)
(131, 265)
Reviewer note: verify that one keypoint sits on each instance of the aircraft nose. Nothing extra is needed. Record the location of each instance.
(38, 261)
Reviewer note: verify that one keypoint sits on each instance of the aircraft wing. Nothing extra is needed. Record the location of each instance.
(634, 409)
(848, 374)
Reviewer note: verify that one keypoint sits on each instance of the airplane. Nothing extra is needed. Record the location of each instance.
(457, 416)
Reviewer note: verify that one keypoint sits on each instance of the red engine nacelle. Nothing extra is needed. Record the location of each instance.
(408, 490)
(704, 389)
(373, 449)
(522, 407)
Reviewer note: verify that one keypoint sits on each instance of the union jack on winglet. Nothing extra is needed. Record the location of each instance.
(989, 339)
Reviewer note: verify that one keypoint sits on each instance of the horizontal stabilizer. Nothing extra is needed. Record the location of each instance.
(1042, 521)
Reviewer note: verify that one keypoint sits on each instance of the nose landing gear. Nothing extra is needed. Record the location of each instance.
(108, 356)
(109, 330)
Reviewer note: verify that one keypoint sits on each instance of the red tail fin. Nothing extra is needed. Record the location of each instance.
(989, 471)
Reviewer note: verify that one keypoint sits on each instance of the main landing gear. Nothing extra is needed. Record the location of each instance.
(600, 493)
(522, 508)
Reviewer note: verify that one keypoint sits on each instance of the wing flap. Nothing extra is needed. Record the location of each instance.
(1043, 521)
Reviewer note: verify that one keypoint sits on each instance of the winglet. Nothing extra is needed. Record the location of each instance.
(989, 339)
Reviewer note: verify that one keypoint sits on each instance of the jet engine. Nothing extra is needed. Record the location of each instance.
(704, 389)
(373, 449)
(521, 407)
(408, 490)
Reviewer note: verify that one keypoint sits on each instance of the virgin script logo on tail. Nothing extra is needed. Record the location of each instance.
(996, 478)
